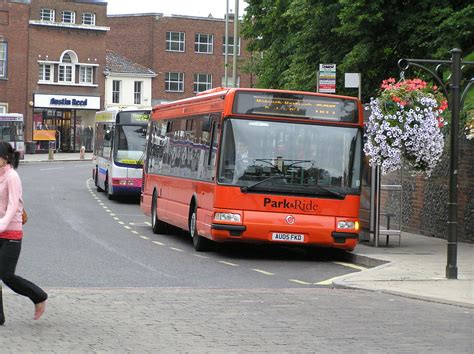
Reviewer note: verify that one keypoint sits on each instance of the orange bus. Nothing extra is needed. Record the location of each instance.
(256, 165)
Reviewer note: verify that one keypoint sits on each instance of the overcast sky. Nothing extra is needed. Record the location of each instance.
(201, 8)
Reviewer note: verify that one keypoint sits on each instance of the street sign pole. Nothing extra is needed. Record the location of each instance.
(455, 100)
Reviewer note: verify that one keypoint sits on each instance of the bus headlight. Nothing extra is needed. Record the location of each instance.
(347, 225)
(229, 217)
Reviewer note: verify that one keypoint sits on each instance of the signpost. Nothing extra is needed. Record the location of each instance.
(327, 78)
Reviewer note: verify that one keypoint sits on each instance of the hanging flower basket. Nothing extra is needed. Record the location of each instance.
(405, 125)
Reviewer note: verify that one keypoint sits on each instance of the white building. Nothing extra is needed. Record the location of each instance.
(127, 84)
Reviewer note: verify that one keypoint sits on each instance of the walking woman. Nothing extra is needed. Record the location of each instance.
(11, 229)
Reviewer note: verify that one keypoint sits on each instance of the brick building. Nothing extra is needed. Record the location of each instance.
(66, 61)
(186, 53)
(13, 61)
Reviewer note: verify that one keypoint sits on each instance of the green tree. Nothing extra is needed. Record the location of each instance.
(289, 38)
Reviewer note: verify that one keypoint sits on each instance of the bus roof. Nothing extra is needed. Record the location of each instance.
(216, 99)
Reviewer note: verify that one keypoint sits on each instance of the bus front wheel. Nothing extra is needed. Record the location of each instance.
(96, 180)
(201, 244)
(158, 226)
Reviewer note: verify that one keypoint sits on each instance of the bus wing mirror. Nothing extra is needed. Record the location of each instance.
(107, 135)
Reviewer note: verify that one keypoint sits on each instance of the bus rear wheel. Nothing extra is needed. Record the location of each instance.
(201, 244)
(158, 226)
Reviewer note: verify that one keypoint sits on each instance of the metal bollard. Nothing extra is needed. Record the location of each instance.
(82, 152)
(50, 153)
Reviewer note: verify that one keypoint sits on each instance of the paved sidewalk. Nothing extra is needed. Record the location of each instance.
(416, 269)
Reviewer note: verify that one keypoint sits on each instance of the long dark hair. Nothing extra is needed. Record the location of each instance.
(9, 154)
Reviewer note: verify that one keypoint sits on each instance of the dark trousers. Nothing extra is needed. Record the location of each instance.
(9, 254)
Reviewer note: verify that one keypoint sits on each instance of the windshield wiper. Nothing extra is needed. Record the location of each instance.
(337, 194)
(245, 189)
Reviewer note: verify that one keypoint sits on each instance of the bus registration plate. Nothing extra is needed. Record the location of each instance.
(278, 236)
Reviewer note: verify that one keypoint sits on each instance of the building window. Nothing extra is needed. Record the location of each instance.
(69, 17)
(45, 72)
(47, 15)
(230, 82)
(174, 82)
(116, 91)
(202, 82)
(86, 74)
(3, 59)
(137, 94)
(3, 107)
(65, 69)
(175, 41)
(204, 43)
(230, 46)
(88, 19)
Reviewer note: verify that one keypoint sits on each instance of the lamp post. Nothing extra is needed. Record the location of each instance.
(455, 102)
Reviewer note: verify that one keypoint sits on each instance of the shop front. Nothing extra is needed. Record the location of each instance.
(64, 122)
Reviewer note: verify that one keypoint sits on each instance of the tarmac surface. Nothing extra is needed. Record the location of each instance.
(414, 269)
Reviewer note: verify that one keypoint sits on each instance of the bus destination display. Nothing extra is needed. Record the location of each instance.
(133, 117)
(296, 106)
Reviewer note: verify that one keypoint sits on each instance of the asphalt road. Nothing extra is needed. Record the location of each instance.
(76, 237)
(114, 286)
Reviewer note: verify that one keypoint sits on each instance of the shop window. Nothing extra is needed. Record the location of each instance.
(204, 43)
(202, 82)
(45, 72)
(47, 15)
(86, 74)
(174, 82)
(68, 17)
(116, 91)
(88, 19)
(137, 95)
(3, 60)
(175, 41)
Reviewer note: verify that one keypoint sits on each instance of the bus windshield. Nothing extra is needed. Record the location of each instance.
(11, 131)
(130, 144)
(290, 158)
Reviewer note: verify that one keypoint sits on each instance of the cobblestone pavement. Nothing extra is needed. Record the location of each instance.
(220, 320)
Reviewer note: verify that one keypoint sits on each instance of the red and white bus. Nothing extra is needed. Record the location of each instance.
(256, 165)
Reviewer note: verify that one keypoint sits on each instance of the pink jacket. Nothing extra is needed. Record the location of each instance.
(11, 204)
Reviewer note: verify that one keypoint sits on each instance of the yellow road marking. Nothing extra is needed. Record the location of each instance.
(350, 265)
(228, 263)
(263, 272)
(158, 243)
(299, 282)
(328, 281)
